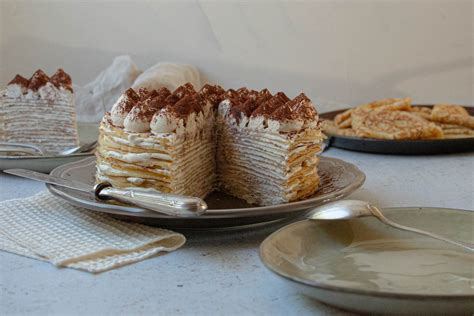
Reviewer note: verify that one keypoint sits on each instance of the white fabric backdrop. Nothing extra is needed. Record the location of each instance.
(346, 51)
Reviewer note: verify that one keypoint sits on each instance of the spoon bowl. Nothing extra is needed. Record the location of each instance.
(345, 209)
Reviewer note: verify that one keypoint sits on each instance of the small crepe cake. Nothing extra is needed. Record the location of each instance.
(39, 111)
(267, 146)
(262, 148)
(160, 139)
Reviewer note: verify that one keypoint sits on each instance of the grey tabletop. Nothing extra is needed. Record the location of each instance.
(218, 273)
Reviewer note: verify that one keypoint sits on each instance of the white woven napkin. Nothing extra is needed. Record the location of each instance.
(47, 228)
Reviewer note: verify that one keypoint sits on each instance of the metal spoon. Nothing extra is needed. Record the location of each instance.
(348, 209)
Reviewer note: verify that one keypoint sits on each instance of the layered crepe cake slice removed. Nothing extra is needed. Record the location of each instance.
(39, 111)
(160, 139)
(267, 147)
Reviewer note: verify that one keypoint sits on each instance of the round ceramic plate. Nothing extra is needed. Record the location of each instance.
(87, 133)
(338, 179)
(401, 147)
(365, 266)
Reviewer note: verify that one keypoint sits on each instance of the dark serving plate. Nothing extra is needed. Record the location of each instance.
(400, 147)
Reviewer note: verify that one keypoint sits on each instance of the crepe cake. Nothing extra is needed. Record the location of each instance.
(267, 146)
(264, 151)
(160, 139)
(39, 111)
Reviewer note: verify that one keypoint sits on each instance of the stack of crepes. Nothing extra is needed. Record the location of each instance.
(397, 119)
(264, 152)
(39, 111)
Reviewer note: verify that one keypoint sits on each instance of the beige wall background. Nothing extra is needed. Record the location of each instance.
(345, 51)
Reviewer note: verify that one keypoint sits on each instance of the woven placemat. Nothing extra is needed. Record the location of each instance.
(45, 227)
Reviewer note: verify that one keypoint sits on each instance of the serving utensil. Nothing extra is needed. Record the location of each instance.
(348, 209)
(34, 150)
(150, 199)
(27, 149)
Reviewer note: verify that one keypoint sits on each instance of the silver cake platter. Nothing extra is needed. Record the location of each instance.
(338, 179)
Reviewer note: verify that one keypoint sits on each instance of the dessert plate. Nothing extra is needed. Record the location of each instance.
(87, 133)
(365, 266)
(400, 147)
(338, 179)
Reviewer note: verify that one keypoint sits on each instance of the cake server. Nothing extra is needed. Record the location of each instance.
(150, 199)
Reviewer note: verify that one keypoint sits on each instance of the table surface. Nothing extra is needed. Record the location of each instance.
(218, 273)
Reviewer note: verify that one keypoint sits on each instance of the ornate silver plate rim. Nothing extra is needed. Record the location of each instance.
(78, 169)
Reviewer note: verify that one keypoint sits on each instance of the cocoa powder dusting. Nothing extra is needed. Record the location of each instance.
(20, 80)
(186, 89)
(186, 105)
(142, 93)
(62, 79)
(298, 108)
(159, 101)
(181, 102)
(128, 101)
(264, 94)
(282, 97)
(185, 100)
(246, 108)
(143, 111)
(150, 95)
(215, 94)
(183, 107)
(231, 94)
(163, 93)
(171, 100)
(267, 108)
(277, 107)
(132, 95)
(37, 80)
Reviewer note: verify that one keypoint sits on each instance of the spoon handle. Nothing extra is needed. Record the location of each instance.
(377, 213)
